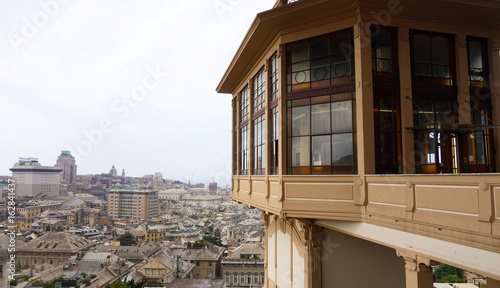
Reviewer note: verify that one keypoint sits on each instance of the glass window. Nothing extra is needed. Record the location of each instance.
(244, 104)
(274, 76)
(259, 145)
(274, 88)
(320, 126)
(235, 136)
(235, 278)
(259, 90)
(274, 141)
(319, 62)
(301, 121)
(433, 57)
(300, 151)
(386, 100)
(478, 144)
(321, 137)
(342, 117)
(244, 150)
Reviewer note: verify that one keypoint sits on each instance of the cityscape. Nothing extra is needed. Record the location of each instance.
(274, 144)
(97, 229)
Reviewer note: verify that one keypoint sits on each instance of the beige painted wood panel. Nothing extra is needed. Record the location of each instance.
(326, 191)
(387, 194)
(259, 187)
(447, 198)
(496, 202)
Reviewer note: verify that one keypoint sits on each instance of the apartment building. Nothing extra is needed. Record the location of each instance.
(34, 180)
(244, 267)
(51, 249)
(366, 133)
(132, 204)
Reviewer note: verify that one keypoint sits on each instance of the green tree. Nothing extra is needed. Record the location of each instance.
(24, 277)
(92, 276)
(212, 236)
(37, 283)
(452, 278)
(444, 273)
(86, 281)
(127, 239)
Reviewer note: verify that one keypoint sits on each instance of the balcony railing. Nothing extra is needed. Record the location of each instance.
(464, 206)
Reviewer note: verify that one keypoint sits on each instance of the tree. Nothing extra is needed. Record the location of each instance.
(448, 274)
(37, 283)
(24, 277)
(451, 278)
(127, 239)
(212, 236)
(86, 281)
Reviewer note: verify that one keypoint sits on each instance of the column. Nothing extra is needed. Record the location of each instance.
(364, 100)
(314, 250)
(406, 102)
(418, 272)
(281, 112)
(494, 58)
(267, 135)
(464, 112)
(250, 132)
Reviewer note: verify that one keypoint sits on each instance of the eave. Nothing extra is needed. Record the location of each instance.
(304, 13)
(264, 27)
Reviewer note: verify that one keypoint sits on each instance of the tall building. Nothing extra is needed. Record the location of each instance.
(157, 180)
(34, 180)
(66, 162)
(132, 203)
(365, 132)
(212, 188)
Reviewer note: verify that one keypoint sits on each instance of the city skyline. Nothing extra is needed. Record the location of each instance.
(113, 83)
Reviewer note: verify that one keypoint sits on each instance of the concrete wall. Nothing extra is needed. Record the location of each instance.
(353, 262)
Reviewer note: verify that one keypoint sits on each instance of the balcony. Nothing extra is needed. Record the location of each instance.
(459, 208)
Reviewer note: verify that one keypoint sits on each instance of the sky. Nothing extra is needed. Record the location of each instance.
(127, 83)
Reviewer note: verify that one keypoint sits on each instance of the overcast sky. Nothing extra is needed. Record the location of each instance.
(120, 82)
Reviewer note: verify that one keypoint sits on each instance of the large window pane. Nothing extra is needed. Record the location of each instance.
(320, 119)
(300, 121)
(342, 116)
(342, 152)
(385, 114)
(321, 150)
(300, 151)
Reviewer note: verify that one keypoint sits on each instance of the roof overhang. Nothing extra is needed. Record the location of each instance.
(303, 14)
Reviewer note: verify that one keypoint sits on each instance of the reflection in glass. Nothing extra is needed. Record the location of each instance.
(320, 118)
(300, 151)
(321, 150)
(300, 121)
(342, 153)
(342, 116)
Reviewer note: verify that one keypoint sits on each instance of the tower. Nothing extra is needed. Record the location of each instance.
(66, 162)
